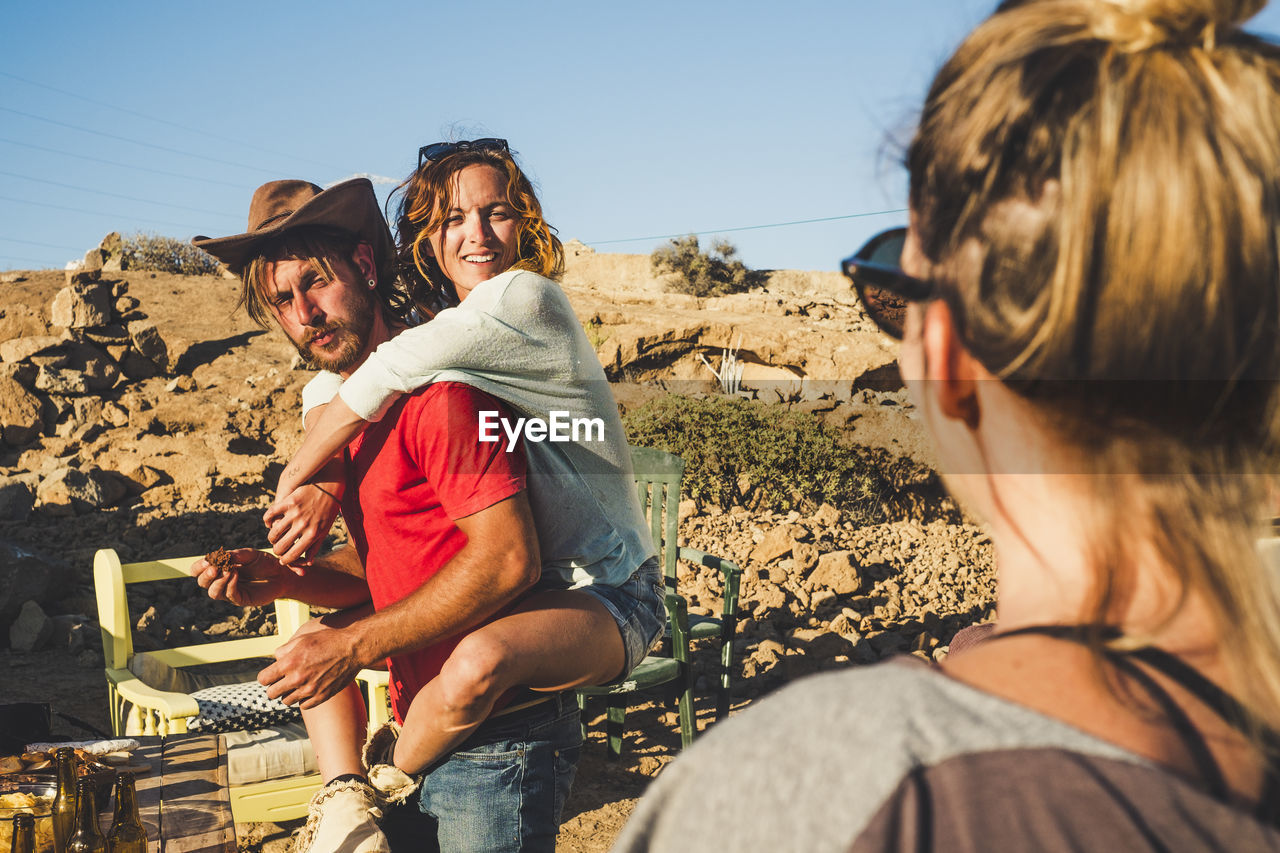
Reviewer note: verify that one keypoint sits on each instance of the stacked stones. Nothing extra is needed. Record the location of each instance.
(62, 385)
(820, 591)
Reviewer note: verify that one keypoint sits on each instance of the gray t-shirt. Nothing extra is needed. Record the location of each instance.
(899, 757)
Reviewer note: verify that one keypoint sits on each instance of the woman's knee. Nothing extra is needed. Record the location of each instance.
(476, 670)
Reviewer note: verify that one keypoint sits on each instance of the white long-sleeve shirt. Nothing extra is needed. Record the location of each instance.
(516, 337)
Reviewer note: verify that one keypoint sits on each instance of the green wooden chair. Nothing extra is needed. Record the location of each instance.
(658, 475)
(271, 770)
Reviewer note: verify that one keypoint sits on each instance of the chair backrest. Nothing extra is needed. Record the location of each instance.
(658, 474)
(111, 577)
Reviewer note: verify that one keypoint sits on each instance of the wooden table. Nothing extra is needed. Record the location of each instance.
(182, 798)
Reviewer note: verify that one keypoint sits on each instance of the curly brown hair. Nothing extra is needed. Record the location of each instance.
(426, 196)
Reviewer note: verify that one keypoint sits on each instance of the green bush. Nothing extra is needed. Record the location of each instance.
(700, 273)
(167, 254)
(787, 460)
(595, 332)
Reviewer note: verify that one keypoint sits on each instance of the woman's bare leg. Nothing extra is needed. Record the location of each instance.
(337, 732)
(554, 641)
(337, 727)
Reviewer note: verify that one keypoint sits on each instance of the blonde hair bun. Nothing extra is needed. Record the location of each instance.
(1134, 25)
(1093, 189)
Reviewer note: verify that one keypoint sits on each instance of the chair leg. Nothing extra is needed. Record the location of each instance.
(113, 704)
(615, 726)
(688, 722)
(725, 693)
(582, 715)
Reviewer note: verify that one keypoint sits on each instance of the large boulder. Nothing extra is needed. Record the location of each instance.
(82, 304)
(20, 421)
(148, 343)
(32, 630)
(69, 491)
(107, 256)
(17, 498)
(59, 381)
(112, 251)
(21, 349)
(837, 571)
(25, 576)
(98, 369)
(777, 542)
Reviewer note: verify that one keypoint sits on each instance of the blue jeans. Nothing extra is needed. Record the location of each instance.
(503, 789)
(637, 606)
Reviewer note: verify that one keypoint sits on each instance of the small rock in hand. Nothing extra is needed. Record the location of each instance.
(221, 560)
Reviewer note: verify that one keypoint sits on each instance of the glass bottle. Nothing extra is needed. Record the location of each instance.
(64, 802)
(24, 834)
(88, 837)
(127, 834)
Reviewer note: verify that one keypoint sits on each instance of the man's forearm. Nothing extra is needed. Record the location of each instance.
(489, 573)
(457, 598)
(335, 580)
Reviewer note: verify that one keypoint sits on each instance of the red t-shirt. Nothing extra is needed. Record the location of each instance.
(410, 475)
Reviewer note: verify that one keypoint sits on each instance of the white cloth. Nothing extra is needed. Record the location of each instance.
(516, 337)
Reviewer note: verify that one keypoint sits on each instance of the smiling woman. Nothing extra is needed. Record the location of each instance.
(472, 199)
(478, 237)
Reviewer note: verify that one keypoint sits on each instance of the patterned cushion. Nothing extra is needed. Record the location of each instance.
(230, 707)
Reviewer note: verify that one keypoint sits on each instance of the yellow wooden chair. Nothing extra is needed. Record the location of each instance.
(137, 707)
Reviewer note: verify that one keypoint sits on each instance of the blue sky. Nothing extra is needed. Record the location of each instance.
(635, 120)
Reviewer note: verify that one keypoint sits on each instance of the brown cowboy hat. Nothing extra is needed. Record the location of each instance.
(279, 206)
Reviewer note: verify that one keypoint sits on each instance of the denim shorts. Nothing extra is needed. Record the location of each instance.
(503, 789)
(638, 606)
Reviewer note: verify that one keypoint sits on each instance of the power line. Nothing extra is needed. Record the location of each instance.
(34, 243)
(747, 227)
(121, 165)
(98, 213)
(118, 195)
(136, 141)
(7, 258)
(167, 121)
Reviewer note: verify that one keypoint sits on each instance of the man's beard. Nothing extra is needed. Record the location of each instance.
(352, 337)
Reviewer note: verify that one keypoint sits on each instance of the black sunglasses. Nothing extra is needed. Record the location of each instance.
(885, 290)
(436, 150)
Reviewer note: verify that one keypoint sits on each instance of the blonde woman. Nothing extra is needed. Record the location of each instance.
(1088, 298)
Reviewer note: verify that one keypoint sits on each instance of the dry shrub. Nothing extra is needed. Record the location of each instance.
(167, 254)
(714, 273)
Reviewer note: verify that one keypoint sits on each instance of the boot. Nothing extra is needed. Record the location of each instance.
(393, 785)
(342, 817)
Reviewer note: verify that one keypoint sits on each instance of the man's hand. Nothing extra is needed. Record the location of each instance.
(257, 578)
(313, 666)
(298, 523)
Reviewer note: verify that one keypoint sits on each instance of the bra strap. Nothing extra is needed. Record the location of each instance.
(1201, 755)
(1234, 714)
(1073, 633)
(1222, 703)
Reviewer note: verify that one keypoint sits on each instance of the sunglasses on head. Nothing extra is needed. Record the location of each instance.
(884, 289)
(436, 150)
